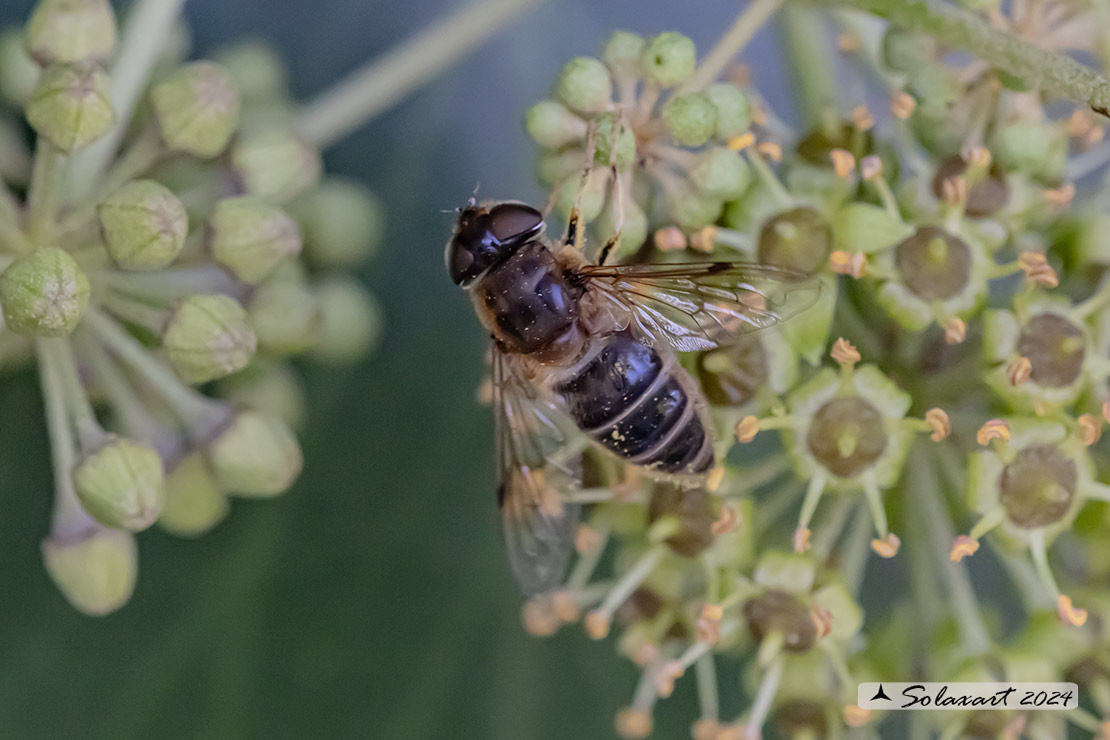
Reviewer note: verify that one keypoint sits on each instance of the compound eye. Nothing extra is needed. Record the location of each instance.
(514, 223)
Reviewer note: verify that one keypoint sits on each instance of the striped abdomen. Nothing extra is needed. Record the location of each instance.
(633, 402)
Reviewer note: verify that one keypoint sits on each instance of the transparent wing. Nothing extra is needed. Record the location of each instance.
(700, 305)
(538, 459)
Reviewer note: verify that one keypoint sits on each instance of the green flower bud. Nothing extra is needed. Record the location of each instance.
(905, 50)
(734, 113)
(255, 455)
(194, 503)
(584, 85)
(612, 137)
(44, 293)
(863, 227)
(121, 484)
(799, 238)
(272, 387)
(342, 223)
(622, 53)
(250, 237)
(285, 315)
(351, 321)
(552, 125)
(256, 68)
(71, 31)
(144, 225)
(936, 88)
(95, 570)
(692, 210)
(722, 173)
(669, 59)
(197, 108)
(208, 337)
(275, 164)
(691, 119)
(71, 105)
(18, 71)
(1039, 149)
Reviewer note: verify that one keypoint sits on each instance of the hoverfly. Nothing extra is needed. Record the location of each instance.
(584, 355)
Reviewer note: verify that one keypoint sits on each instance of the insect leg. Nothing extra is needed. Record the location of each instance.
(575, 234)
(617, 198)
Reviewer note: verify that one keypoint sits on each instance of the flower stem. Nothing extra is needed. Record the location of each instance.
(936, 520)
(57, 352)
(809, 52)
(133, 416)
(735, 39)
(68, 518)
(149, 23)
(1035, 67)
(200, 414)
(371, 89)
(42, 198)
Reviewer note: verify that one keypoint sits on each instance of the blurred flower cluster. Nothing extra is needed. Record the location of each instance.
(947, 184)
(168, 244)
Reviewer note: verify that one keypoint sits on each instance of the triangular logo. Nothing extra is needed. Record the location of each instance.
(880, 694)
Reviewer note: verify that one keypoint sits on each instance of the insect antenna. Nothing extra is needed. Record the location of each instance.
(575, 234)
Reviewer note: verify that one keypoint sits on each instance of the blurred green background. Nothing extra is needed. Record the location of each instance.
(373, 601)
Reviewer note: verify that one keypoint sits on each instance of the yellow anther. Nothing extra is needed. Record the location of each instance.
(770, 150)
(938, 421)
(993, 429)
(963, 547)
(670, 239)
(888, 547)
(955, 330)
(742, 141)
(843, 162)
(853, 264)
(1090, 429)
(902, 105)
(844, 353)
(1019, 370)
(1069, 613)
(747, 428)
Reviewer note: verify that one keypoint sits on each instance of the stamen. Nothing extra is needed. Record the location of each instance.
(599, 620)
(728, 520)
(670, 239)
(955, 330)
(1019, 370)
(939, 423)
(747, 428)
(1060, 196)
(862, 118)
(963, 547)
(993, 429)
(844, 353)
(843, 162)
(814, 491)
(902, 105)
(1090, 429)
(704, 239)
(856, 716)
(853, 264)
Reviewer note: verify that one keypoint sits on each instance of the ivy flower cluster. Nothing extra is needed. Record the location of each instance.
(168, 243)
(946, 184)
